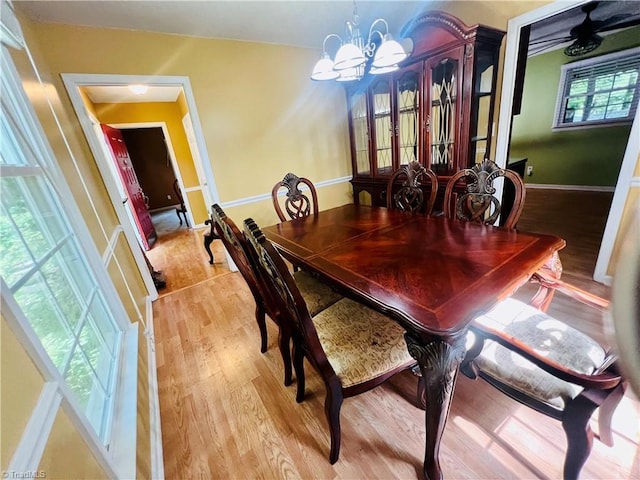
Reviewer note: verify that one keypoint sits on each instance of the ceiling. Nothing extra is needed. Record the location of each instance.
(560, 25)
(122, 94)
(285, 22)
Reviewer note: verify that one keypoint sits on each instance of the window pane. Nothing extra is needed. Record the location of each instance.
(10, 154)
(88, 391)
(97, 353)
(597, 113)
(618, 111)
(67, 298)
(578, 87)
(101, 319)
(42, 311)
(577, 102)
(16, 207)
(626, 79)
(604, 82)
(600, 100)
(15, 260)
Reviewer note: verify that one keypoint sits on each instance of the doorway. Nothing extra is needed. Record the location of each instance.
(516, 51)
(201, 186)
(153, 164)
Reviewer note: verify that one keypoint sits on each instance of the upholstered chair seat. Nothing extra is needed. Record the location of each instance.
(360, 343)
(317, 295)
(545, 335)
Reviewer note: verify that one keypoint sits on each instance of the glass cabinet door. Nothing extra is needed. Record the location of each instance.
(381, 103)
(444, 102)
(360, 132)
(408, 123)
(481, 114)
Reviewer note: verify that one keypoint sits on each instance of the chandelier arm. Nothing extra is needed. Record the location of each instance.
(371, 47)
(324, 43)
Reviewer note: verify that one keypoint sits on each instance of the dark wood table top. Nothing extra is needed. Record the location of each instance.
(432, 274)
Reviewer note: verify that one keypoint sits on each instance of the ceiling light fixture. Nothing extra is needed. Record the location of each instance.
(583, 45)
(138, 88)
(350, 61)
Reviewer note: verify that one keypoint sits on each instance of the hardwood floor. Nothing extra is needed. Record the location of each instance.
(226, 414)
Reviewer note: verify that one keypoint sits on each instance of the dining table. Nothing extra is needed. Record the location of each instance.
(432, 275)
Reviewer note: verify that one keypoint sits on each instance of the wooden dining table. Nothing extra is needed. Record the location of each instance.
(430, 274)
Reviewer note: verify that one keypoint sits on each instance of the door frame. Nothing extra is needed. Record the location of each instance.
(504, 129)
(73, 82)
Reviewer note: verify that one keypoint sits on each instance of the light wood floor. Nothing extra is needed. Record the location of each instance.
(226, 414)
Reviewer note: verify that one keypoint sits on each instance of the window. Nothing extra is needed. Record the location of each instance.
(599, 90)
(45, 271)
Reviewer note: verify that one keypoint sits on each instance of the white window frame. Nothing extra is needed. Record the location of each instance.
(117, 454)
(563, 87)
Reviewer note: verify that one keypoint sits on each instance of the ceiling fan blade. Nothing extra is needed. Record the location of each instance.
(616, 26)
(536, 49)
(557, 40)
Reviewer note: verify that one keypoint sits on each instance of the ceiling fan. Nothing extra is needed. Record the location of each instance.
(584, 36)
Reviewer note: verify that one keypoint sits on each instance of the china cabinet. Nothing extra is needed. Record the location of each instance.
(436, 109)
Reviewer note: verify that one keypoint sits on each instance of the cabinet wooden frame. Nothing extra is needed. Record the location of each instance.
(437, 38)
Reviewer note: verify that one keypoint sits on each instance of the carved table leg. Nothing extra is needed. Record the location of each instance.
(438, 361)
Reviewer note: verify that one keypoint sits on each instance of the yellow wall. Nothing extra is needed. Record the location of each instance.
(67, 455)
(260, 114)
(631, 211)
(21, 387)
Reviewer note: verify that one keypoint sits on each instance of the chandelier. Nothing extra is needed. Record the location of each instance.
(351, 60)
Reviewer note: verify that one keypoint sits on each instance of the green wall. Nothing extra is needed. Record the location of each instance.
(587, 156)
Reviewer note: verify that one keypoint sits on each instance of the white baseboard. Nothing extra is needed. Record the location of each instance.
(582, 188)
(155, 426)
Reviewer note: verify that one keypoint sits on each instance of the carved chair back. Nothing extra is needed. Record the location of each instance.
(296, 204)
(236, 244)
(278, 279)
(410, 196)
(478, 203)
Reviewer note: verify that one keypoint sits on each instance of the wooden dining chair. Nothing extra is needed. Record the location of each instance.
(296, 204)
(317, 294)
(549, 366)
(352, 347)
(477, 201)
(409, 197)
(180, 209)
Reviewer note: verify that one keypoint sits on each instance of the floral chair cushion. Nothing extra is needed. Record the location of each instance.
(548, 337)
(359, 342)
(317, 295)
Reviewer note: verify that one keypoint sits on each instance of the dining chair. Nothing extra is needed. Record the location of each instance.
(352, 347)
(297, 204)
(549, 366)
(317, 294)
(477, 202)
(209, 236)
(180, 209)
(410, 196)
